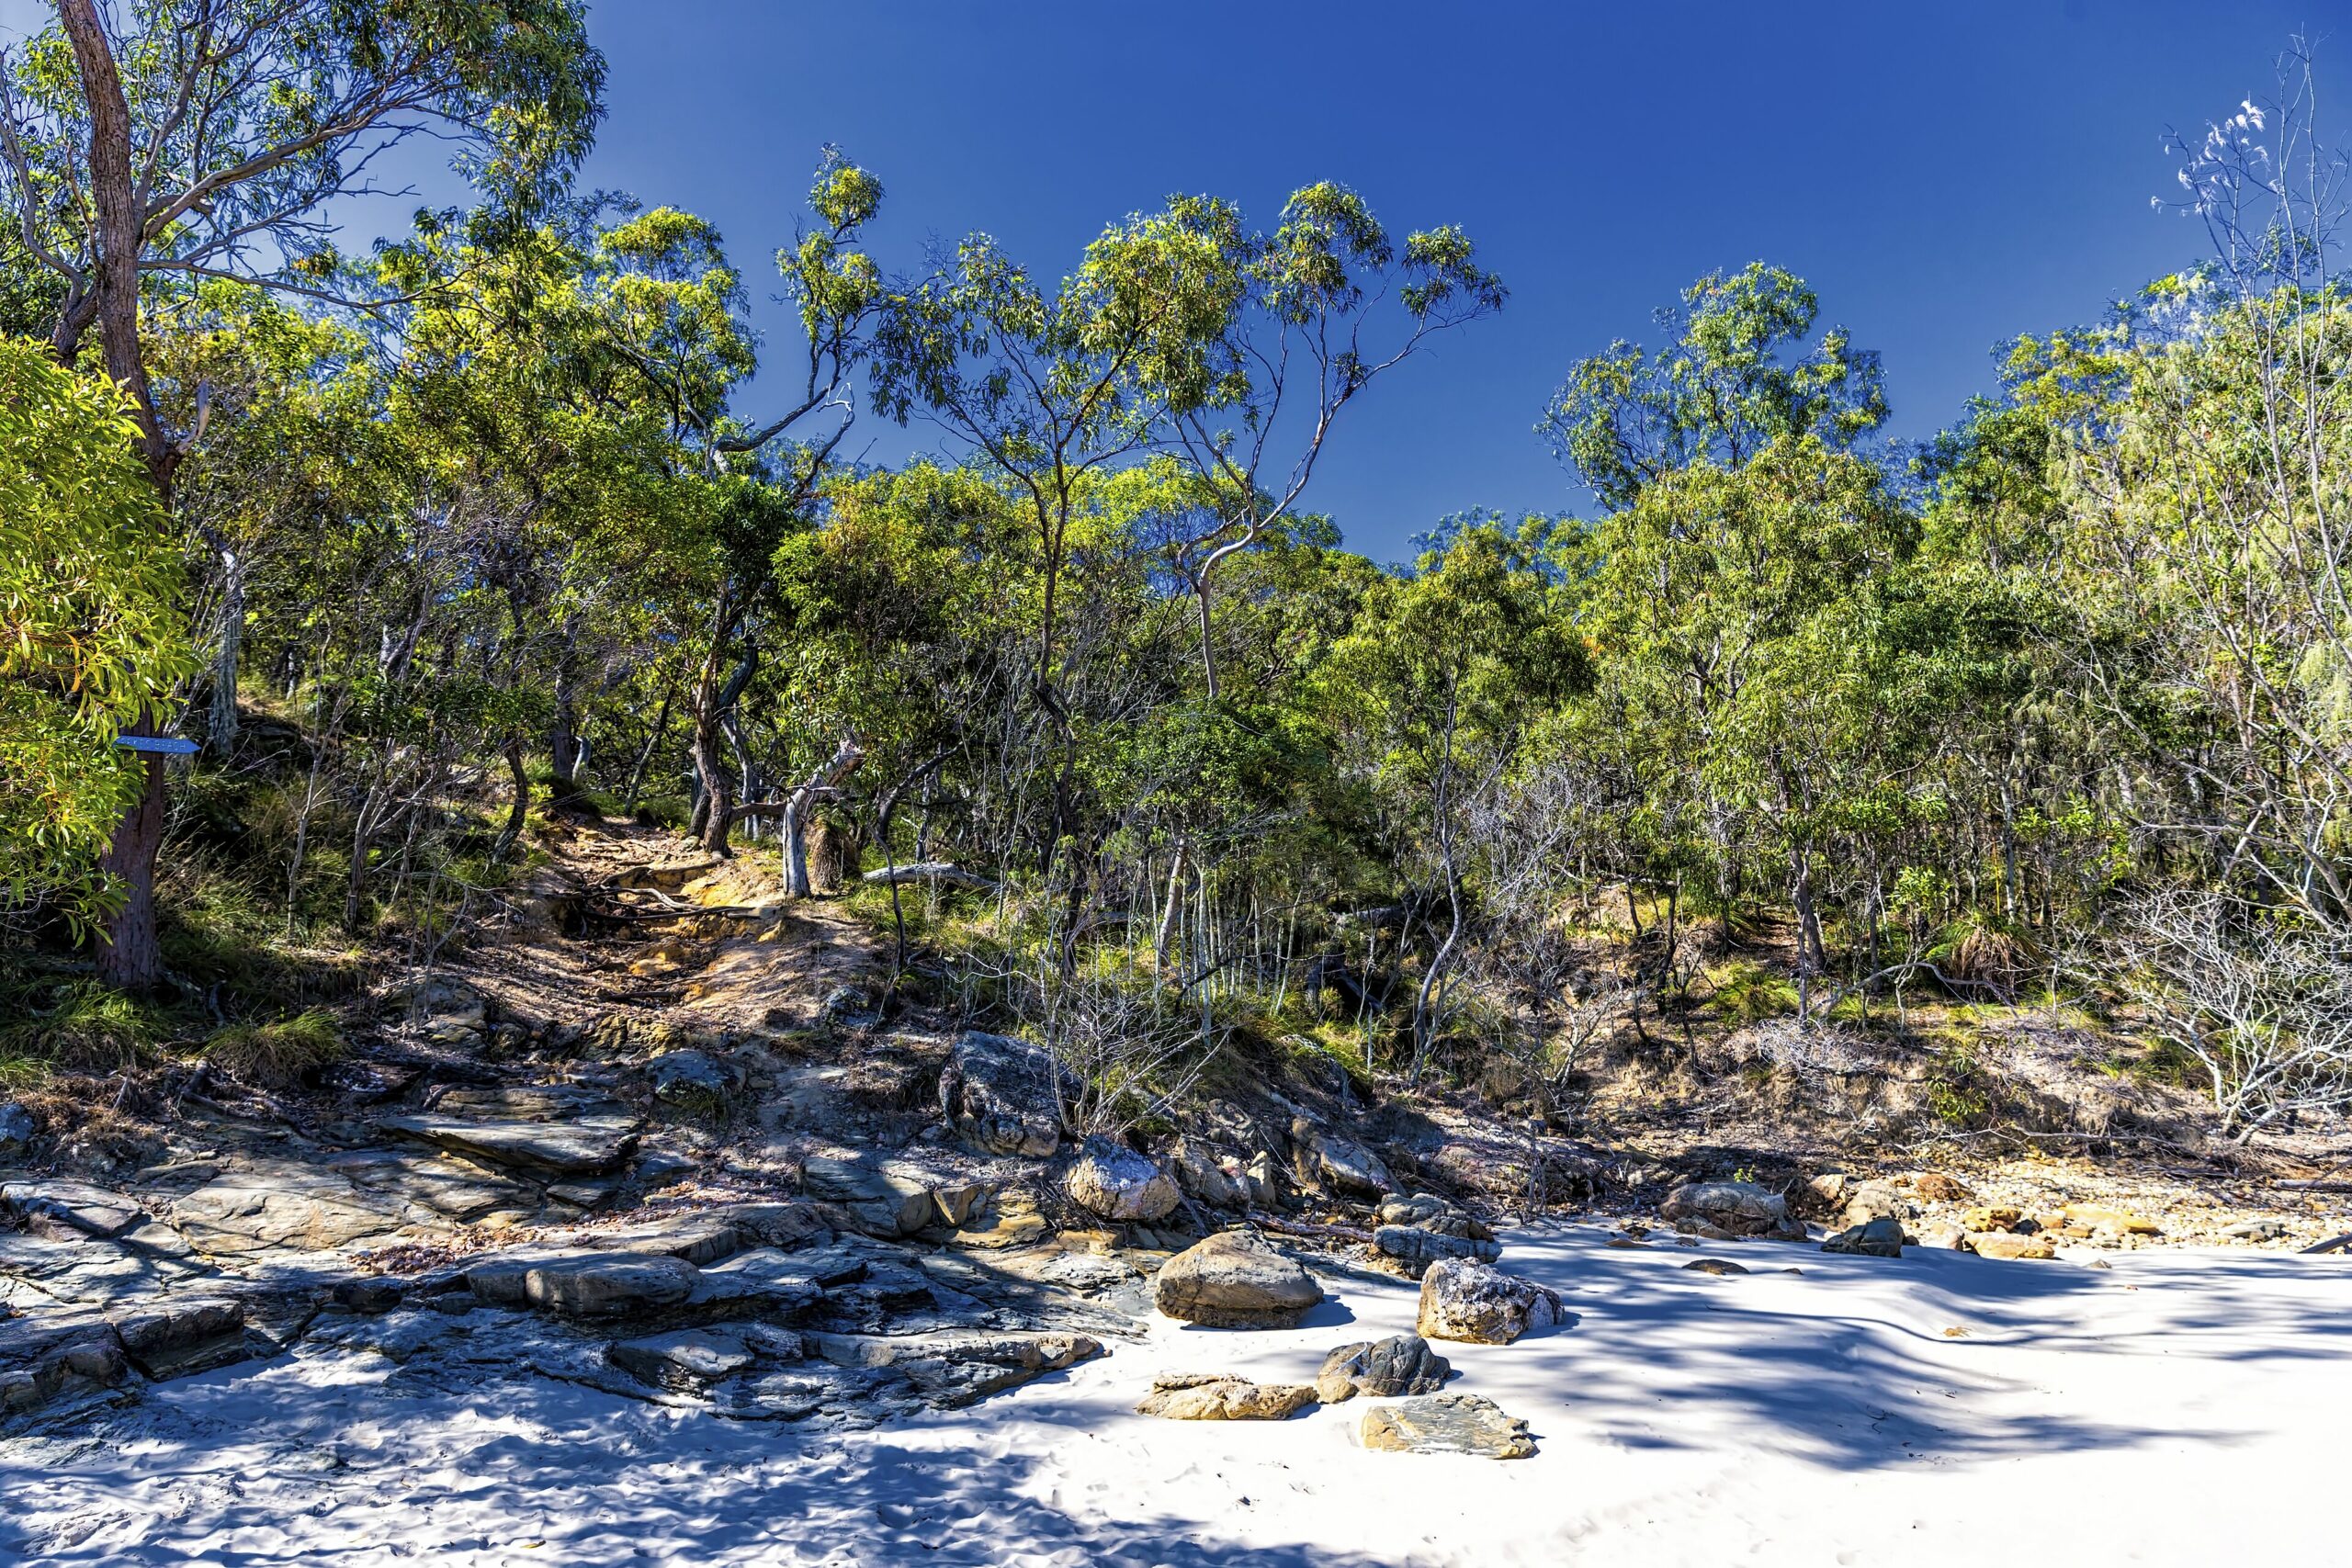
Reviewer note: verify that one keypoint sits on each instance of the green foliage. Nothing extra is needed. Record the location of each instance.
(83, 1026)
(91, 633)
(276, 1054)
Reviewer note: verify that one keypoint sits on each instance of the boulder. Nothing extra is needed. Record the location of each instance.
(172, 1336)
(1447, 1424)
(690, 1080)
(1877, 1238)
(1213, 1179)
(1479, 1304)
(1415, 1248)
(1218, 1396)
(17, 1130)
(1875, 1200)
(1402, 1363)
(1426, 1212)
(1997, 1217)
(1234, 1280)
(1118, 1184)
(42, 1358)
(2004, 1245)
(1737, 1208)
(1721, 1268)
(1004, 1095)
(1345, 1165)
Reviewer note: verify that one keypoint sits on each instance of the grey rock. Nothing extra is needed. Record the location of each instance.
(46, 1357)
(1482, 1306)
(17, 1130)
(875, 1200)
(1234, 1280)
(689, 1359)
(2257, 1230)
(584, 1284)
(368, 1296)
(75, 1206)
(1416, 1249)
(1734, 1208)
(1120, 1185)
(1881, 1238)
(1402, 1363)
(589, 1146)
(698, 1238)
(1348, 1167)
(1447, 1424)
(1870, 1201)
(433, 1182)
(1087, 1273)
(281, 1206)
(1004, 1095)
(690, 1079)
(1716, 1266)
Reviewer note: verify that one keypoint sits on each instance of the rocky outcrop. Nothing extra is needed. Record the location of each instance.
(1003, 1096)
(1234, 1280)
(1479, 1304)
(1120, 1185)
(585, 1284)
(1217, 1397)
(1402, 1363)
(590, 1143)
(1447, 1424)
(1418, 1231)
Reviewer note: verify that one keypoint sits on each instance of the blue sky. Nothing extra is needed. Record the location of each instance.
(1945, 175)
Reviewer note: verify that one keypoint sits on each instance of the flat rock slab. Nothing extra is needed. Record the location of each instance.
(584, 1284)
(587, 1147)
(1234, 1280)
(1447, 1424)
(1218, 1396)
(433, 1182)
(689, 1359)
(73, 1205)
(280, 1206)
(1416, 1249)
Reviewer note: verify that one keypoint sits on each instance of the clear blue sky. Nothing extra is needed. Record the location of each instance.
(1945, 175)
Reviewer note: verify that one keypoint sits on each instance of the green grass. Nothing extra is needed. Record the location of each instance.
(86, 1027)
(278, 1055)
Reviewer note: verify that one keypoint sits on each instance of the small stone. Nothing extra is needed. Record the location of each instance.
(1119, 1184)
(1479, 1304)
(1935, 1186)
(690, 1080)
(1447, 1424)
(1402, 1363)
(2256, 1230)
(1236, 1280)
(1713, 1265)
(1216, 1396)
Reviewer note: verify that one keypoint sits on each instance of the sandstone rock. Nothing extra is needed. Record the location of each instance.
(175, 1337)
(1416, 1249)
(1087, 1273)
(2256, 1230)
(1875, 1200)
(1402, 1363)
(697, 1238)
(1347, 1166)
(1217, 1397)
(2003, 1244)
(1447, 1424)
(950, 1369)
(1881, 1237)
(1234, 1280)
(435, 1182)
(1431, 1213)
(1004, 1095)
(1993, 1218)
(1006, 1219)
(1737, 1208)
(1205, 1173)
(1119, 1184)
(73, 1206)
(2122, 1222)
(367, 1296)
(1935, 1186)
(279, 1205)
(1482, 1306)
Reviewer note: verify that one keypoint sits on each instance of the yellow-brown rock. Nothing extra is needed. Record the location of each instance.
(2004, 1245)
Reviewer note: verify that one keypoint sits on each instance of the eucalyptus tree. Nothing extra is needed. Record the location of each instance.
(163, 141)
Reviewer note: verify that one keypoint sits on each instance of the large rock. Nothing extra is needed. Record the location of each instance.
(2003, 1244)
(1004, 1095)
(280, 1205)
(70, 1206)
(1234, 1280)
(691, 1081)
(1881, 1238)
(169, 1336)
(44, 1358)
(1736, 1208)
(1402, 1363)
(1218, 1396)
(688, 1360)
(1870, 1201)
(1118, 1184)
(1347, 1166)
(1447, 1424)
(1479, 1304)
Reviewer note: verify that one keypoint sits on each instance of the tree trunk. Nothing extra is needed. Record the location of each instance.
(133, 957)
(795, 814)
(563, 734)
(220, 726)
(518, 813)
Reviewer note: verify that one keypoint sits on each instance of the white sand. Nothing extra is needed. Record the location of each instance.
(2180, 1407)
